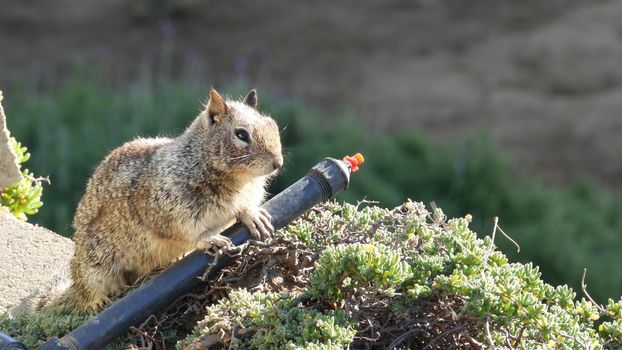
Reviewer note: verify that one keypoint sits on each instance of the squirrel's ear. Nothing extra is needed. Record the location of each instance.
(216, 107)
(251, 98)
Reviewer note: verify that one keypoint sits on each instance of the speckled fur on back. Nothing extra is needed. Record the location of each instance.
(152, 200)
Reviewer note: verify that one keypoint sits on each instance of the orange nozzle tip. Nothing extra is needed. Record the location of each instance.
(359, 158)
(354, 161)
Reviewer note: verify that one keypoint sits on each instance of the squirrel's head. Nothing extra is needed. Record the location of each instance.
(248, 141)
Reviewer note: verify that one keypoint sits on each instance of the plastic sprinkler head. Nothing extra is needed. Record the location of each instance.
(354, 161)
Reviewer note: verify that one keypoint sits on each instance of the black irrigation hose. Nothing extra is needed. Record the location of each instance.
(8, 343)
(325, 180)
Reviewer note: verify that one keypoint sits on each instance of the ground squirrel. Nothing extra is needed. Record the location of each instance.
(152, 200)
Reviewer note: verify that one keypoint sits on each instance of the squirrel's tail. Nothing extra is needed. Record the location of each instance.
(64, 294)
(68, 299)
(59, 293)
(71, 298)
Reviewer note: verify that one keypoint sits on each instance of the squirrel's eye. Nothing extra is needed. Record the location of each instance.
(242, 135)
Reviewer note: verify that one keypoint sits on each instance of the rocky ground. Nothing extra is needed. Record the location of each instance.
(9, 170)
(32, 258)
(544, 77)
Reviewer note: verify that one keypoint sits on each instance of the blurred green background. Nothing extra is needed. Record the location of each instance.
(561, 229)
(495, 108)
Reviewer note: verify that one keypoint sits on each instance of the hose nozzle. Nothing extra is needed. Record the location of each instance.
(354, 161)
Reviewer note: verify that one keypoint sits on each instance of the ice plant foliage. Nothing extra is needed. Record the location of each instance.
(408, 277)
(362, 276)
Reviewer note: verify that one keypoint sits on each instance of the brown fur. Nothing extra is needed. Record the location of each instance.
(152, 200)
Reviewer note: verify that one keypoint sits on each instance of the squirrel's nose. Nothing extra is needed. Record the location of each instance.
(277, 163)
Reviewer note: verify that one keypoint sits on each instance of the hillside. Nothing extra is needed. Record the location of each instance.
(543, 76)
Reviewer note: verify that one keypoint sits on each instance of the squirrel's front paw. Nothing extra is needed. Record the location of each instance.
(214, 245)
(258, 222)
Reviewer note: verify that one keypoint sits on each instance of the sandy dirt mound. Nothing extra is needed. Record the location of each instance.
(32, 257)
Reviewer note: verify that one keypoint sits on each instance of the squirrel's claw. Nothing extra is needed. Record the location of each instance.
(214, 245)
(266, 219)
(101, 304)
(258, 222)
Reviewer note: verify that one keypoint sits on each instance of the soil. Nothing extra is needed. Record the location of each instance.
(544, 77)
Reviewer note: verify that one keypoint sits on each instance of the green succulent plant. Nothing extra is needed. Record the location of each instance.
(22, 198)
